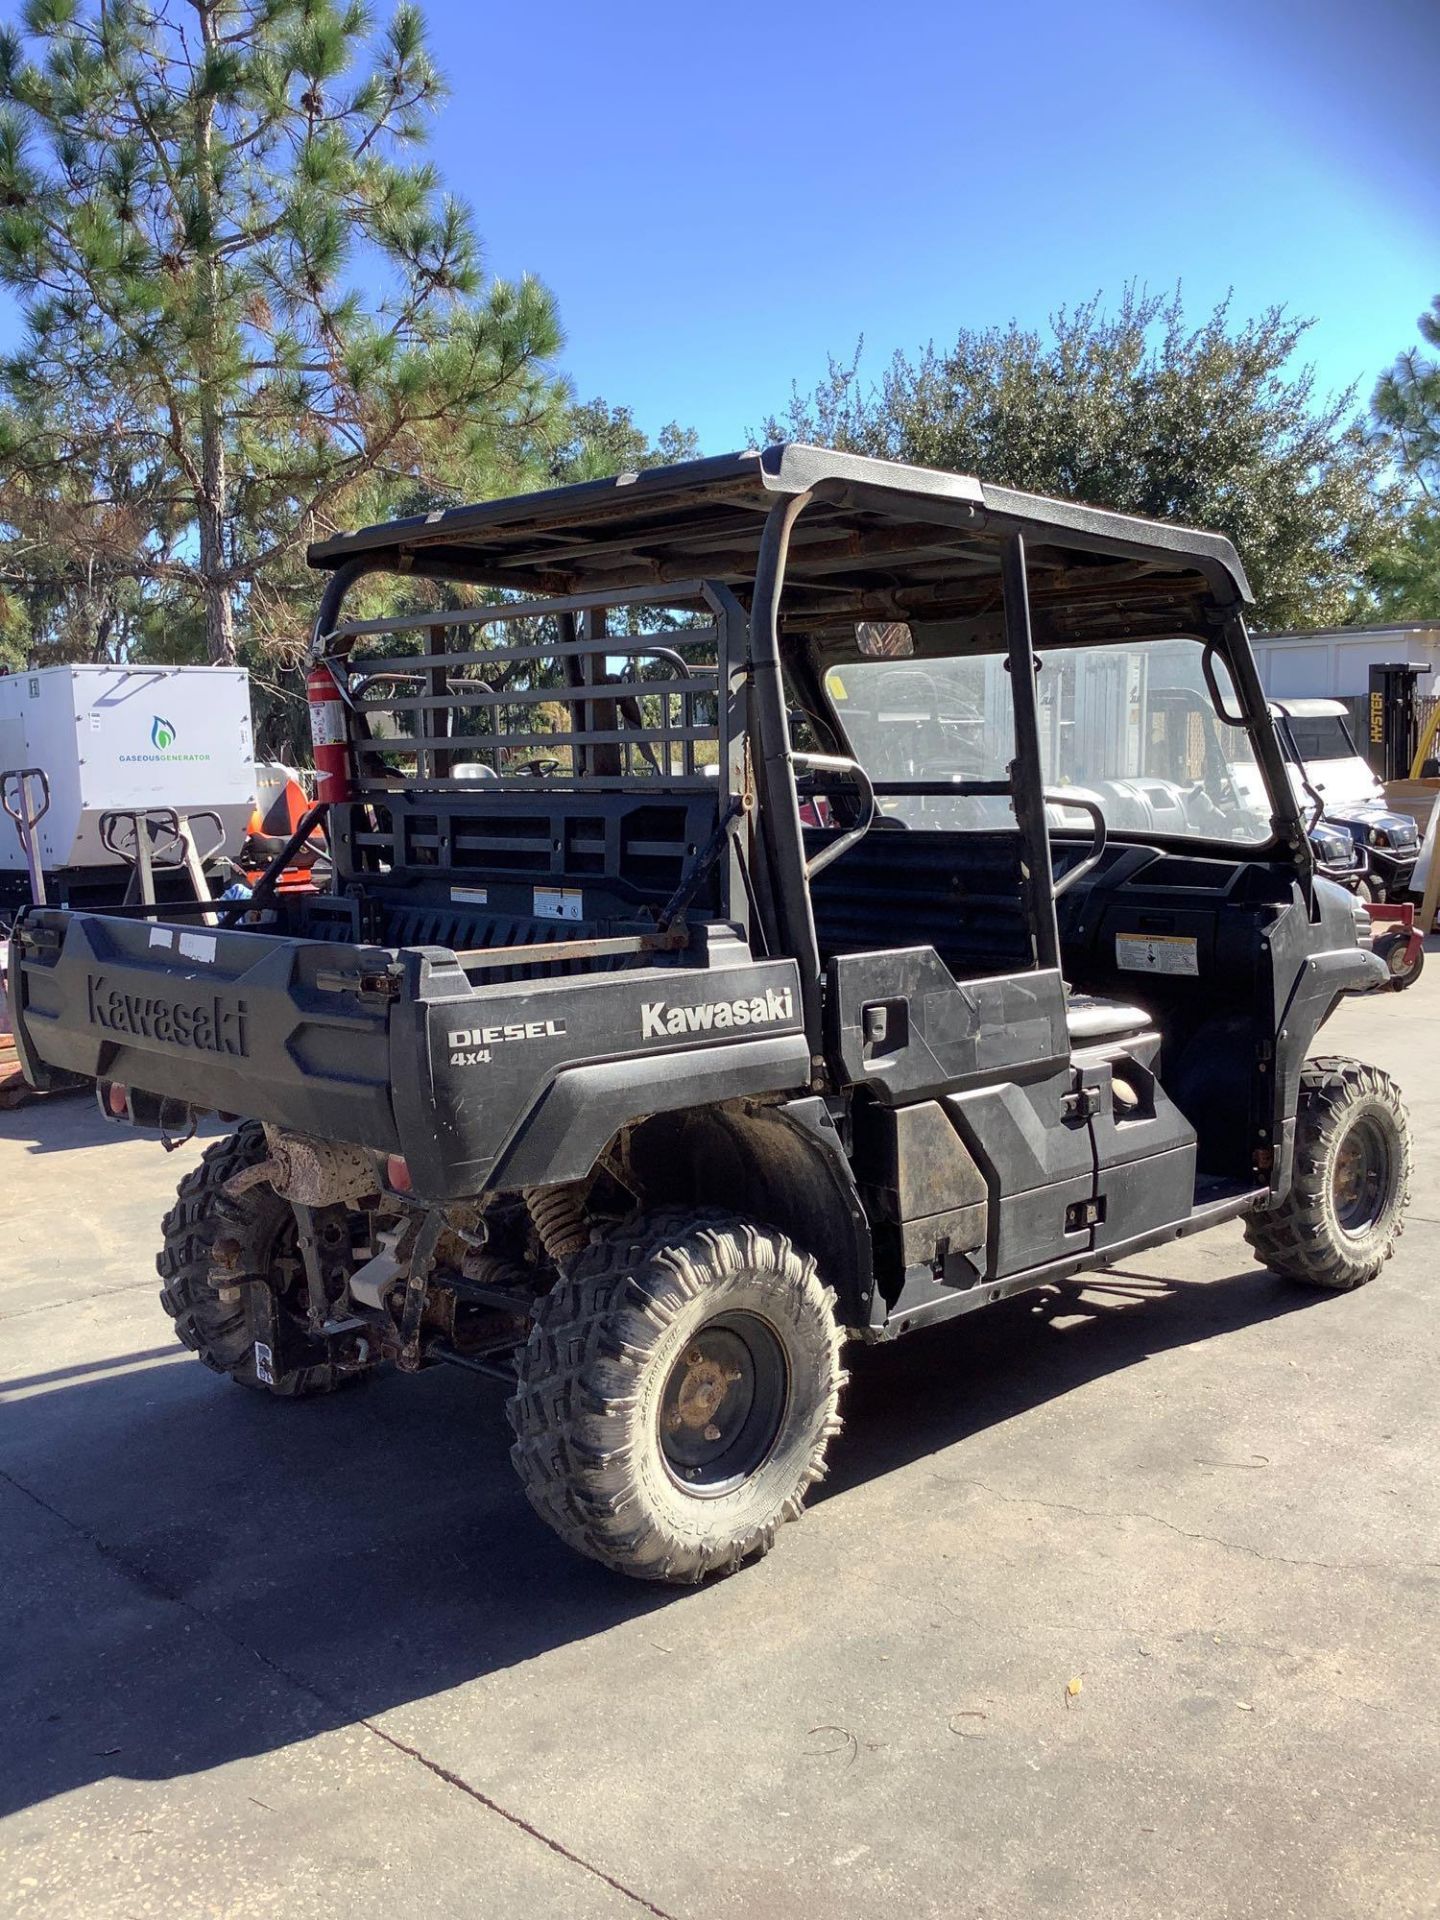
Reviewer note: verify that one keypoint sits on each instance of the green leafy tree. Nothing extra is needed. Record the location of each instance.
(598, 440)
(1140, 411)
(1405, 575)
(250, 312)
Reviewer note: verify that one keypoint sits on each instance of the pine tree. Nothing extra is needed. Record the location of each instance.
(249, 308)
(1405, 577)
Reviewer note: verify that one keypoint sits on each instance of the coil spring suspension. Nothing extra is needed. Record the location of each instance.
(560, 1219)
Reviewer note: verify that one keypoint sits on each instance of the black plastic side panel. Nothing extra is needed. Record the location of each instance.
(1146, 1195)
(940, 1034)
(1036, 1163)
(921, 1183)
(1314, 967)
(1144, 1154)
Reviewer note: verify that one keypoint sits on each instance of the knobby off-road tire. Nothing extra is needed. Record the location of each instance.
(1346, 1208)
(677, 1394)
(214, 1241)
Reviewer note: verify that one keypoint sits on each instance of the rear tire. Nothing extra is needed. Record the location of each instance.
(1345, 1210)
(217, 1248)
(677, 1395)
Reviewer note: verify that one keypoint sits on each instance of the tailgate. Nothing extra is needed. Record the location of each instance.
(233, 1022)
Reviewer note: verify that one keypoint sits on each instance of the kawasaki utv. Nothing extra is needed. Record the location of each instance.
(779, 899)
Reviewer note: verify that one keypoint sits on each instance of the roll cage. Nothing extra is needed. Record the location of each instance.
(780, 554)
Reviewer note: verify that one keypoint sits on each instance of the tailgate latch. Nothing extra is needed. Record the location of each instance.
(365, 986)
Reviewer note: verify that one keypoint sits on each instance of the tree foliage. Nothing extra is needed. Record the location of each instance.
(600, 440)
(250, 311)
(1141, 411)
(1405, 575)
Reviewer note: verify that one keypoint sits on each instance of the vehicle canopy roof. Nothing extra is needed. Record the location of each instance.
(876, 541)
(1316, 709)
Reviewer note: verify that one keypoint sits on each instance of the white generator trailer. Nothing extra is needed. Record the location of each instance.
(124, 741)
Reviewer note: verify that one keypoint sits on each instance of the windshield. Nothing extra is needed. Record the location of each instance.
(1129, 727)
(1323, 736)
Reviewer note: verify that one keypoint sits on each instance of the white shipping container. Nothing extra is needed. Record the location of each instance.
(1335, 663)
(121, 738)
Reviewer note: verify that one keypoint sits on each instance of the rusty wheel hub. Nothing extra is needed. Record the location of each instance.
(1360, 1182)
(723, 1403)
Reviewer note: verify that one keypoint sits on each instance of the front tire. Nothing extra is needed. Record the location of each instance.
(218, 1249)
(1345, 1210)
(677, 1395)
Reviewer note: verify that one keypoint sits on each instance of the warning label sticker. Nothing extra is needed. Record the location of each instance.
(559, 903)
(327, 723)
(1156, 952)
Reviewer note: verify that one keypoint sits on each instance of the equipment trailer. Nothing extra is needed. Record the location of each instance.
(797, 898)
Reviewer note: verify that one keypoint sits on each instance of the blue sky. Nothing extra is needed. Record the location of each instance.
(720, 194)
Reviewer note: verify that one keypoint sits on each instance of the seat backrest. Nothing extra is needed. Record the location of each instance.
(957, 892)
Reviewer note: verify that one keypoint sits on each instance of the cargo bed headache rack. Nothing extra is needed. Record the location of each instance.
(543, 783)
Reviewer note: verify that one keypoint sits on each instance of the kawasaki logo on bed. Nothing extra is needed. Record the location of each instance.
(206, 1026)
(660, 1021)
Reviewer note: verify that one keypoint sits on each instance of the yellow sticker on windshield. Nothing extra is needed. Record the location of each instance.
(837, 686)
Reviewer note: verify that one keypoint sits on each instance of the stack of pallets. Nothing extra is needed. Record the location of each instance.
(14, 1087)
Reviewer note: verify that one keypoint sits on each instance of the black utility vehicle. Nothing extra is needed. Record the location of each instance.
(795, 898)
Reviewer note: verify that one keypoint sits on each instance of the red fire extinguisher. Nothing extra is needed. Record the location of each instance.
(327, 731)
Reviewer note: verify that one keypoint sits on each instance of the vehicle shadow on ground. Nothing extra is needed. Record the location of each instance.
(197, 1573)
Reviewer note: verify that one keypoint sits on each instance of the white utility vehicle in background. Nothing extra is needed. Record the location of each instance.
(1327, 766)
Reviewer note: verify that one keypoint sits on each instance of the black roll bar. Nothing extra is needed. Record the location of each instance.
(1027, 779)
(775, 769)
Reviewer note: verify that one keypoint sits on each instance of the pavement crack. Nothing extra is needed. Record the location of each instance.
(1186, 1533)
(157, 1589)
(517, 1820)
(78, 1300)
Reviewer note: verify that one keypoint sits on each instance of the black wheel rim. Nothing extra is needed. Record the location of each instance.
(1361, 1180)
(723, 1404)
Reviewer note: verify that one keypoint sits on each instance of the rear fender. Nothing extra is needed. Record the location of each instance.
(781, 1164)
(518, 1083)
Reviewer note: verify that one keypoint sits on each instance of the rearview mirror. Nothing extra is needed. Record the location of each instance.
(884, 640)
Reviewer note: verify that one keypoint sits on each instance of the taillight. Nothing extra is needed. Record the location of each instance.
(397, 1174)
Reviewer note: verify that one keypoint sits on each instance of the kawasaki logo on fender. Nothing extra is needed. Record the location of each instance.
(659, 1021)
(207, 1026)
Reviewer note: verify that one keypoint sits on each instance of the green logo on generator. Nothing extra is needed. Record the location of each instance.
(163, 734)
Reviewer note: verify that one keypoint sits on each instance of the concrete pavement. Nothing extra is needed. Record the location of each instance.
(1121, 1603)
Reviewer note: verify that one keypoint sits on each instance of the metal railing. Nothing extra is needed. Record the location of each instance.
(546, 693)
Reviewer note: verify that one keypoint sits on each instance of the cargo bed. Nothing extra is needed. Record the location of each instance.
(410, 1050)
